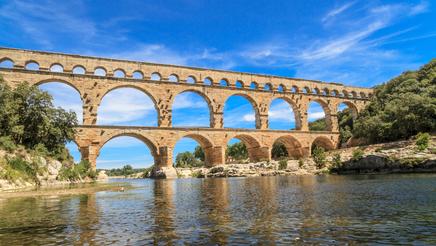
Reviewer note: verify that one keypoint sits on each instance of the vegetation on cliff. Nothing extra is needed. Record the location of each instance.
(32, 131)
(400, 108)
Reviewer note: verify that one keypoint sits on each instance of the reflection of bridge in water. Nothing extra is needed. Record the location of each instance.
(93, 78)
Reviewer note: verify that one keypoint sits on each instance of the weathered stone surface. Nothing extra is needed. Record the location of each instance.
(161, 140)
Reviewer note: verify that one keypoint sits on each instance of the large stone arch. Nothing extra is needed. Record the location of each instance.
(324, 142)
(129, 86)
(253, 103)
(152, 146)
(253, 145)
(212, 155)
(353, 108)
(206, 98)
(62, 81)
(293, 146)
(295, 110)
(327, 111)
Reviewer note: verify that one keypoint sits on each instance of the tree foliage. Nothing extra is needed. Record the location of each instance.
(400, 108)
(29, 118)
(279, 151)
(187, 159)
(237, 151)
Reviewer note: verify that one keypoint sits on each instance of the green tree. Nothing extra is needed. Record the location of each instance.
(29, 118)
(319, 156)
(187, 159)
(237, 151)
(199, 153)
(279, 151)
(400, 108)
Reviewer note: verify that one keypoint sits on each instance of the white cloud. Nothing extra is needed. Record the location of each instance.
(336, 11)
(126, 106)
(248, 117)
(419, 8)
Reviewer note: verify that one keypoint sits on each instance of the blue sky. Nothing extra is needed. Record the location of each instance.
(354, 42)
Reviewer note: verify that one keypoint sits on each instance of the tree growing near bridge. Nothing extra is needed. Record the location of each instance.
(400, 108)
(29, 118)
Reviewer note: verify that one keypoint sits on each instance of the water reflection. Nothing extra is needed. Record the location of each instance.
(266, 210)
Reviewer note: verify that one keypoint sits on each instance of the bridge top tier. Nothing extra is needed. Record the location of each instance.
(95, 66)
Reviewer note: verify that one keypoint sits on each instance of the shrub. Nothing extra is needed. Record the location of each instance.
(336, 161)
(319, 157)
(422, 141)
(7, 143)
(197, 174)
(77, 171)
(20, 168)
(357, 154)
(283, 164)
(300, 163)
(40, 150)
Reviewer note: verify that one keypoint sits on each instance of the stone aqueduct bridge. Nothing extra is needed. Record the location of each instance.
(94, 77)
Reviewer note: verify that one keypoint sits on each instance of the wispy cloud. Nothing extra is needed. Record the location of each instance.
(336, 11)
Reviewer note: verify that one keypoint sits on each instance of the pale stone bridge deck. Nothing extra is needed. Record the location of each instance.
(94, 77)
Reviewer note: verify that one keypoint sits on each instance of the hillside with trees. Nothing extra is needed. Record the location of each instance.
(399, 109)
(33, 134)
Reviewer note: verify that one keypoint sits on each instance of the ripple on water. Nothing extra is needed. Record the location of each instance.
(387, 209)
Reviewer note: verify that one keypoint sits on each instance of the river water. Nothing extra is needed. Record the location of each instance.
(387, 209)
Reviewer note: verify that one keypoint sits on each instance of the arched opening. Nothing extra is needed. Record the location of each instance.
(192, 151)
(57, 68)
(281, 88)
(224, 82)
(123, 151)
(100, 71)
(243, 149)
(318, 116)
(335, 93)
(32, 65)
(173, 78)
(191, 80)
(137, 75)
(254, 85)
(347, 113)
(6, 63)
(322, 142)
(119, 73)
(79, 70)
(295, 89)
(74, 151)
(316, 91)
(283, 115)
(240, 111)
(155, 76)
(326, 92)
(306, 90)
(191, 108)
(362, 95)
(127, 107)
(207, 81)
(267, 87)
(64, 96)
(239, 84)
(286, 147)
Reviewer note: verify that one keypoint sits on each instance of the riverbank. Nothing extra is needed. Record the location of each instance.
(66, 190)
(22, 170)
(393, 157)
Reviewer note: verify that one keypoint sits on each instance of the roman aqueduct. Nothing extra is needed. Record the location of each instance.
(94, 77)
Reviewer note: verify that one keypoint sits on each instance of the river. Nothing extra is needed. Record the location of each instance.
(386, 209)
